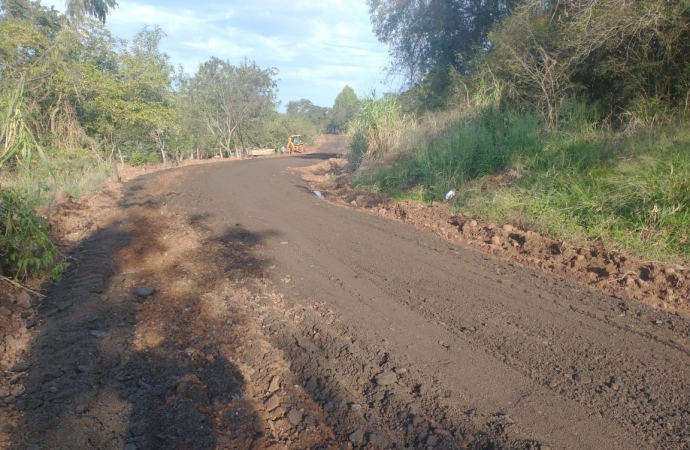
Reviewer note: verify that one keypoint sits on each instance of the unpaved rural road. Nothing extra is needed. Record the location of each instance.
(389, 337)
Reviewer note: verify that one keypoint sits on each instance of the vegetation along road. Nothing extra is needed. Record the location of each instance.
(278, 320)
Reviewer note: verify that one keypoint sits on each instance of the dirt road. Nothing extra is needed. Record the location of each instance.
(281, 320)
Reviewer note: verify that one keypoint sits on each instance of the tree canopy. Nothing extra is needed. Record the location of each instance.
(618, 55)
(345, 107)
(426, 34)
(228, 99)
(320, 116)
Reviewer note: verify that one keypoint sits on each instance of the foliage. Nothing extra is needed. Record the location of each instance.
(319, 116)
(632, 193)
(274, 131)
(16, 140)
(142, 157)
(574, 182)
(228, 100)
(96, 8)
(425, 35)
(617, 54)
(345, 107)
(567, 115)
(465, 149)
(25, 246)
(376, 130)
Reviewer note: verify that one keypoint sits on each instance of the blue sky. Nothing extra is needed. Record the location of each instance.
(318, 46)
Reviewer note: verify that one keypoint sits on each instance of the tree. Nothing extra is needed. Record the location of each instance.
(231, 98)
(95, 8)
(425, 34)
(620, 54)
(125, 98)
(345, 107)
(319, 116)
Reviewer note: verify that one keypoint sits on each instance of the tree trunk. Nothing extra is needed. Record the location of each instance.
(54, 113)
(117, 172)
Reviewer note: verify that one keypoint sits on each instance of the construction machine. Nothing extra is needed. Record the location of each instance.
(295, 143)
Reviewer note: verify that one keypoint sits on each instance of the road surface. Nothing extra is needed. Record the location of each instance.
(442, 347)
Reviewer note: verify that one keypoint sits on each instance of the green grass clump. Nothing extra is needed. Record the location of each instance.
(466, 149)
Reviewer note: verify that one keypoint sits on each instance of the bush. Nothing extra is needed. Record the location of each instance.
(138, 158)
(25, 245)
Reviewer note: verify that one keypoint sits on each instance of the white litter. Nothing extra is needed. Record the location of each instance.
(450, 194)
(319, 194)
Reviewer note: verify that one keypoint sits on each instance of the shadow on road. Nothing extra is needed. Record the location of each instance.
(318, 156)
(109, 369)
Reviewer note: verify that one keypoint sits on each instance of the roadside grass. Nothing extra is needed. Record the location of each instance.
(77, 176)
(576, 183)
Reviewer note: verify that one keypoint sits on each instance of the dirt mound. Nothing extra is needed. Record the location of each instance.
(661, 286)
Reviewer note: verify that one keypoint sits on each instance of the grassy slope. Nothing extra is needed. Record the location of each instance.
(629, 189)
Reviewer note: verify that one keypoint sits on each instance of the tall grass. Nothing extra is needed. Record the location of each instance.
(75, 175)
(444, 158)
(376, 131)
(575, 182)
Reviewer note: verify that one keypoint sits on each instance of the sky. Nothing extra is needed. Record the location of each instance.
(318, 46)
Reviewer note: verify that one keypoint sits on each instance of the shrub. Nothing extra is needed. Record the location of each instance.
(25, 245)
(138, 158)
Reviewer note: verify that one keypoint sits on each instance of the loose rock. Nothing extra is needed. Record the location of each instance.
(386, 378)
(294, 416)
(272, 403)
(274, 385)
(378, 441)
(24, 301)
(356, 437)
(312, 384)
(20, 367)
(144, 291)
(443, 433)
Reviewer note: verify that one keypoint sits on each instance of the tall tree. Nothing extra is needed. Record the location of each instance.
(424, 34)
(345, 107)
(95, 8)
